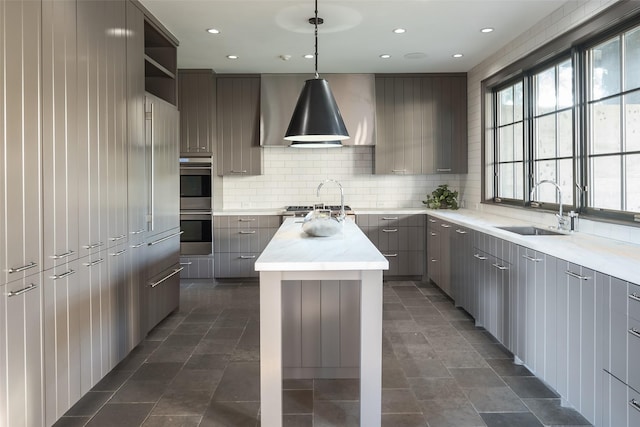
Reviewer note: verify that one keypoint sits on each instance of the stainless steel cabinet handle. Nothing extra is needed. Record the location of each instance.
(64, 255)
(23, 268)
(165, 238)
(242, 171)
(390, 255)
(247, 232)
(120, 237)
(246, 219)
(459, 231)
(634, 332)
(63, 275)
(196, 213)
(92, 263)
(93, 245)
(445, 226)
(433, 234)
(398, 170)
(500, 267)
(167, 277)
(635, 297)
(22, 291)
(635, 404)
(478, 256)
(118, 253)
(247, 256)
(432, 220)
(389, 230)
(443, 170)
(389, 218)
(577, 276)
(142, 230)
(531, 258)
(139, 245)
(434, 260)
(186, 263)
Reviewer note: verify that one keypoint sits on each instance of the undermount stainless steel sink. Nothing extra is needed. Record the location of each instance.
(532, 231)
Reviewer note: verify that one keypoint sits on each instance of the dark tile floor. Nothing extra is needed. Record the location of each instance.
(200, 367)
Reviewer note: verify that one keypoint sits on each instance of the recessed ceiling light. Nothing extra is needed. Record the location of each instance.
(232, 56)
(457, 55)
(385, 56)
(399, 30)
(309, 56)
(213, 31)
(486, 30)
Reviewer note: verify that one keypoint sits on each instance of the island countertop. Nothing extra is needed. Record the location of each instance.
(291, 249)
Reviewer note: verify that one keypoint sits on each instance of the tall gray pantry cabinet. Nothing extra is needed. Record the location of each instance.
(85, 192)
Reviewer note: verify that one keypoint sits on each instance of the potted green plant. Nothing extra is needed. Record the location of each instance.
(442, 198)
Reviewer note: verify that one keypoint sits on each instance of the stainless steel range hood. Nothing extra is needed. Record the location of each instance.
(354, 93)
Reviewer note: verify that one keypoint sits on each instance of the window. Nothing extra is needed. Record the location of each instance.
(614, 119)
(573, 119)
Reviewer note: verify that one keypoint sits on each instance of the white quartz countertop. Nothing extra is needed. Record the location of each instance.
(612, 257)
(291, 249)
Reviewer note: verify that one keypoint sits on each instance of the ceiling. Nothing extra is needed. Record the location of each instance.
(271, 36)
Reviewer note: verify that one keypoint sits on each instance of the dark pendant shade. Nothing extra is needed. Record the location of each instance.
(316, 118)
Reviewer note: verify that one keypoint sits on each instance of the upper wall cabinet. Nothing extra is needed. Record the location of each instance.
(160, 64)
(196, 102)
(354, 94)
(238, 130)
(421, 123)
(20, 139)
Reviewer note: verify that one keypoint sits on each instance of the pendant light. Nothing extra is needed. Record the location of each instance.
(316, 120)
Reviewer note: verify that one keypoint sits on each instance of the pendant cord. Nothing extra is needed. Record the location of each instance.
(316, 39)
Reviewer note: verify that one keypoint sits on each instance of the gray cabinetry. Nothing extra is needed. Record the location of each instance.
(533, 314)
(421, 123)
(162, 123)
(439, 253)
(59, 139)
(20, 154)
(620, 351)
(238, 125)
(239, 240)
(400, 238)
(463, 289)
(196, 102)
(62, 299)
(577, 326)
(21, 383)
(160, 62)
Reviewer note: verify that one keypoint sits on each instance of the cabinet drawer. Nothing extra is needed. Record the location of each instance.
(621, 404)
(634, 301)
(242, 240)
(235, 265)
(634, 353)
(246, 221)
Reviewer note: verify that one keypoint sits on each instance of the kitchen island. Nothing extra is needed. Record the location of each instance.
(292, 255)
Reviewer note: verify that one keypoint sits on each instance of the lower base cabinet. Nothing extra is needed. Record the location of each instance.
(21, 390)
(621, 403)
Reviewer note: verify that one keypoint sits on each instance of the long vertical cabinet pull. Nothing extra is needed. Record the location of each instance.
(152, 193)
(635, 404)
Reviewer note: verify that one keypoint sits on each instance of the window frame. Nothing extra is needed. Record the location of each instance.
(574, 45)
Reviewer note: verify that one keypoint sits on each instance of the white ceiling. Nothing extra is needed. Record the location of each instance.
(354, 34)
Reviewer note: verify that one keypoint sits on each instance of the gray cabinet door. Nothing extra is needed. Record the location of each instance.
(196, 102)
(449, 98)
(59, 137)
(576, 331)
(93, 137)
(94, 319)
(118, 261)
(20, 127)
(462, 289)
(433, 254)
(62, 367)
(21, 358)
(238, 130)
(162, 141)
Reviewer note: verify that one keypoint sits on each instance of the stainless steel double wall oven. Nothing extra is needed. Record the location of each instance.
(196, 213)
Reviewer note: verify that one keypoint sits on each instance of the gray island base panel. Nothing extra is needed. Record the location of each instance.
(292, 255)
